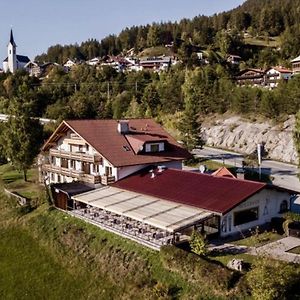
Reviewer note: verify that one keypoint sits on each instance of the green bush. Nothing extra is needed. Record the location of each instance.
(196, 269)
(198, 244)
(271, 279)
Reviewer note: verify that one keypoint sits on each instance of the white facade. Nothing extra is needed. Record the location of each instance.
(273, 77)
(268, 204)
(12, 58)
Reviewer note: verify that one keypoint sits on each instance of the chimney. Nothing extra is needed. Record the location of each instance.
(123, 126)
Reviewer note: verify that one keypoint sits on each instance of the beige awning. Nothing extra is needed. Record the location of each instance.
(157, 212)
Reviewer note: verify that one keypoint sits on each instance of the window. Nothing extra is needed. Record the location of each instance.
(96, 168)
(154, 147)
(80, 148)
(87, 147)
(73, 164)
(108, 171)
(245, 216)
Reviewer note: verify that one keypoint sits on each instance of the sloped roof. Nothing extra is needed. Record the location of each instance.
(259, 71)
(103, 136)
(223, 172)
(280, 69)
(296, 59)
(20, 58)
(215, 194)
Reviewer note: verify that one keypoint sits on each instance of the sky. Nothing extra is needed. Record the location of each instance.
(39, 24)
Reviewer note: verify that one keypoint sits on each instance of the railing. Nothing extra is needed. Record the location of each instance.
(63, 171)
(106, 180)
(76, 156)
(94, 179)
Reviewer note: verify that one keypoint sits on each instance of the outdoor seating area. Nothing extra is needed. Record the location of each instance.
(151, 221)
(128, 227)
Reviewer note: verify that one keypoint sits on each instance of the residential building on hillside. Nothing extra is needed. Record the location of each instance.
(275, 74)
(296, 65)
(99, 152)
(14, 62)
(251, 76)
(234, 59)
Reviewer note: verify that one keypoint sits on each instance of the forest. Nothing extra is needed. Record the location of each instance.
(265, 19)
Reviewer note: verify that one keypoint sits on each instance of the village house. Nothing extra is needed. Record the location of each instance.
(296, 65)
(250, 76)
(275, 74)
(234, 59)
(125, 176)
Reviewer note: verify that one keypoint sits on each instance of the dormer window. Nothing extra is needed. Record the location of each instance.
(154, 147)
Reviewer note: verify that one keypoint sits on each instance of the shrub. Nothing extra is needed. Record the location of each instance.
(194, 268)
(270, 279)
(198, 243)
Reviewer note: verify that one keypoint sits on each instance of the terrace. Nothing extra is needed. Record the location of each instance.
(150, 221)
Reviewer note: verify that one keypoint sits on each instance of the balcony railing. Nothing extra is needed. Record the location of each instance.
(106, 180)
(80, 175)
(76, 156)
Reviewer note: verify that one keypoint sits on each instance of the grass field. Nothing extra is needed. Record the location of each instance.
(13, 180)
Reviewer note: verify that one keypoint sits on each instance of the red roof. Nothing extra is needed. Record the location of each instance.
(103, 136)
(215, 194)
(223, 172)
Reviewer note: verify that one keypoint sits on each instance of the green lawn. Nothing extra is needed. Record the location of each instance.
(295, 250)
(29, 271)
(13, 181)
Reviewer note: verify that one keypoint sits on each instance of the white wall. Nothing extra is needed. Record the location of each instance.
(268, 202)
(125, 171)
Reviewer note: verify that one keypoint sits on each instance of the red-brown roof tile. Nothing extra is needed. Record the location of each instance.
(104, 137)
(216, 194)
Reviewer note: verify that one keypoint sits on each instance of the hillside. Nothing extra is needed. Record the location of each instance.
(266, 18)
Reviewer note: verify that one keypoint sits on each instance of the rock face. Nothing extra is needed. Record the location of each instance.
(243, 136)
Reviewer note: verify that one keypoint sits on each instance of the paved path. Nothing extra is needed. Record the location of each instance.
(276, 250)
(284, 175)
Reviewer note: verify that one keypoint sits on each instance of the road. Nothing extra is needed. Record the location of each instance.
(43, 121)
(283, 174)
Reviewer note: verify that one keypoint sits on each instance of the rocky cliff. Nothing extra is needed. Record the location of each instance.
(242, 136)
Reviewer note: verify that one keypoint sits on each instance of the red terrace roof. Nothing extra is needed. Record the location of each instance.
(216, 194)
(103, 136)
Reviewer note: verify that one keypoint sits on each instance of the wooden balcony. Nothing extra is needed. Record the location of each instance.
(76, 156)
(80, 175)
(106, 180)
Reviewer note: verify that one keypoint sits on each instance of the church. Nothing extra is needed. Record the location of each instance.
(13, 61)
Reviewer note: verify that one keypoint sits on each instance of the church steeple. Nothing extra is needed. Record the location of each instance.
(12, 54)
(11, 40)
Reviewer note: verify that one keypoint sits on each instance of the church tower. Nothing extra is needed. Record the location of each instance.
(12, 54)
